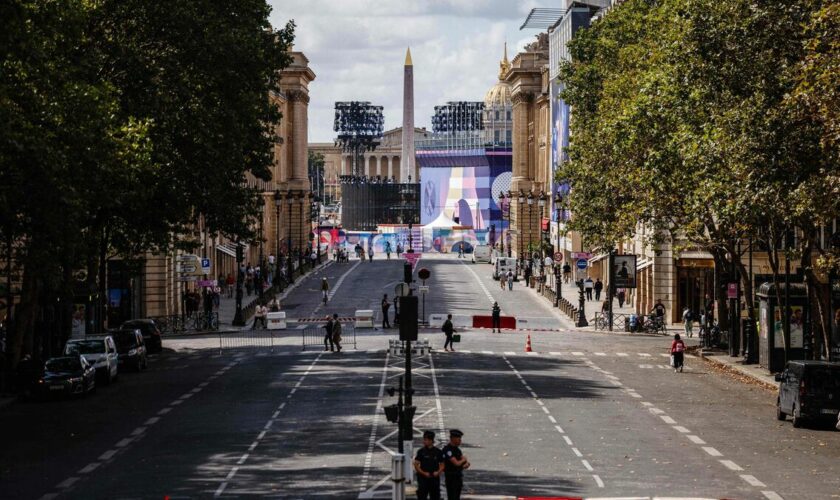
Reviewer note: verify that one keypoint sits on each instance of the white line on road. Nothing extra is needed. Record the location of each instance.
(374, 425)
(567, 440)
(711, 451)
(668, 420)
(151, 421)
(772, 495)
(107, 455)
(752, 481)
(729, 464)
(682, 429)
(87, 469)
(481, 284)
(598, 481)
(586, 464)
(67, 482)
(123, 442)
(695, 439)
(577, 452)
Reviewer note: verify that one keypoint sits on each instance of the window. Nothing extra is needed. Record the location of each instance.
(497, 114)
(496, 136)
(508, 115)
(508, 136)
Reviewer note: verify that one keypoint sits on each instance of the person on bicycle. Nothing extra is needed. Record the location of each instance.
(658, 312)
(677, 353)
(325, 288)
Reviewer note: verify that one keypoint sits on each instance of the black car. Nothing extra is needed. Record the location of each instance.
(131, 349)
(809, 390)
(70, 375)
(151, 333)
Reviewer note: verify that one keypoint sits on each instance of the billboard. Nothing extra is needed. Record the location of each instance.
(624, 271)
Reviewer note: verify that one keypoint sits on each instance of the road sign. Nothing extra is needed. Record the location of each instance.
(423, 273)
(207, 283)
(424, 289)
(186, 268)
(205, 265)
(732, 291)
(581, 255)
(558, 256)
(581, 264)
(412, 258)
(186, 278)
(402, 290)
(187, 257)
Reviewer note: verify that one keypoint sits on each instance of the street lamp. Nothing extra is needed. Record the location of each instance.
(558, 282)
(289, 200)
(301, 199)
(317, 216)
(278, 201)
(502, 232)
(260, 278)
(529, 250)
(541, 205)
(521, 200)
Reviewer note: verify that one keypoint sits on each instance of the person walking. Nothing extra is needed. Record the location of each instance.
(527, 273)
(567, 272)
(510, 280)
(328, 336)
(325, 289)
(370, 253)
(428, 463)
(231, 282)
(448, 330)
(497, 318)
(588, 285)
(385, 306)
(336, 331)
(677, 353)
(260, 316)
(622, 295)
(388, 250)
(455, 462)
(598, 286)
(688, 324)
(503, 280)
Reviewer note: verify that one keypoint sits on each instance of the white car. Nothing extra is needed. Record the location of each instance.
(503, 265)
(482, 253)
(99, 352)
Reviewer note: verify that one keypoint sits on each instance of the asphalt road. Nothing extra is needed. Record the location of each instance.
(585, 415)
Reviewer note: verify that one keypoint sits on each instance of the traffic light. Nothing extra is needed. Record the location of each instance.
(408, 318)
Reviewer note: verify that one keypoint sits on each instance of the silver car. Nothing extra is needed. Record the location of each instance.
(99, 352)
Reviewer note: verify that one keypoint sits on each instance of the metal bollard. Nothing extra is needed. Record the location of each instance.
(397, 476)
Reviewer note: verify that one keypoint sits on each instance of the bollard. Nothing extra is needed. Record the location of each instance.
(397, 476)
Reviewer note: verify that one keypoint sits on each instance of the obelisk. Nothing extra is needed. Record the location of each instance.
(407, 160)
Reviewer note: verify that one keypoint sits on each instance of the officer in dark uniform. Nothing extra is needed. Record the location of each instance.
(454, 464)
(429, 466)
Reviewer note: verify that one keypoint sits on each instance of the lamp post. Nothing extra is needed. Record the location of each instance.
(301, 199)
(238, 318)
(317, 217)
(541, 205)
(502, 232)
(520, 199)
(529, 249)
(289, 201)
(278, 201)
(260, 278)
(558, 281)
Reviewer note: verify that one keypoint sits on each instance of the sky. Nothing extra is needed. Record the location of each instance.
(357, 48)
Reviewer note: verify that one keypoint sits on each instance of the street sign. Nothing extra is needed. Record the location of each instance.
(186, 268)
(423, 273)
(186, 278)
(187, 257)
(412, 258)
(732, 291)
(205, 265)
(402, 290)
(424, 289)
(207, 283)
(581, 255)
(581, 264)
(558, 256)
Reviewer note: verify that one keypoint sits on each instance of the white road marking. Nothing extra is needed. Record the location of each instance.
(545, 410)
(656, 411)
(123, 442)
(577, 353)
(600, 354)
(552, 419)
(586, 464)
(752, 481)
(107, 455)
(598, 481)
(711, 451)
(568, 441)
(664, 355)
(729, 464)
(151, 421)
(87, 469)
(622, 354)
(559, 429)
(682, 429)
(695, 439)
(772, 495)
(164, 411)
(67, 482)
(643, 354)
(481, 284)
(577, 452)
(510, 353)
(138, 431)
(242, 459)
(667, 419)
(374, 426)
(556, 353)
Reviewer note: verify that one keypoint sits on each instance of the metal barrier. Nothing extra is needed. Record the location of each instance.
(601, 321)
(248, 339)
(313, 335)
(182, 323)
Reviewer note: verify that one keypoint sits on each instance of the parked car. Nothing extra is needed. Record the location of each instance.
(482, 253)
(68, 375)
(809, 391)
(131, 349)
(151, 333)
(100, 352)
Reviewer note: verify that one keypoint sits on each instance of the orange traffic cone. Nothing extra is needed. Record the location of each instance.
(528, 344)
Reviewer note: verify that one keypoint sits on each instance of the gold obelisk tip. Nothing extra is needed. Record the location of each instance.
(408, 57)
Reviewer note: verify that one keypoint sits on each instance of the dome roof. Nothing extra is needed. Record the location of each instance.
(499, 94)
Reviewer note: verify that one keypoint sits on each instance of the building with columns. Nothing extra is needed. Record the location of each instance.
(528, 80)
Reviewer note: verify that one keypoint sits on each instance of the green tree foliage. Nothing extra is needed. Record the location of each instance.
(683, 127)
(120, 123)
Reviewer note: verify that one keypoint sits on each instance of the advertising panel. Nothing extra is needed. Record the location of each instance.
(624, 271)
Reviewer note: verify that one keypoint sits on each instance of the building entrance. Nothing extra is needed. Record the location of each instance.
(694, 282)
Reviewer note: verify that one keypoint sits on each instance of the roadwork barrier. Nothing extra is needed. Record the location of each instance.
(313, 336)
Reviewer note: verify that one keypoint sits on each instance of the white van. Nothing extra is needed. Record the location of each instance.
(503, 265)
(481, 253)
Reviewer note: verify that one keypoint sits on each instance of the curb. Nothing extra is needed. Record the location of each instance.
(736, 369)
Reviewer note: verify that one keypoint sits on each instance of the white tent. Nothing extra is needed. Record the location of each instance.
(442, 222)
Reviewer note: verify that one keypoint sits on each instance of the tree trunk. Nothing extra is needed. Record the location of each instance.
(21, 342)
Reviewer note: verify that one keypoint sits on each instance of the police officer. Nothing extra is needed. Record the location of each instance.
(429, 466)
(454, 464)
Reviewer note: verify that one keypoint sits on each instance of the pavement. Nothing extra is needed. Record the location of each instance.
(585, 415)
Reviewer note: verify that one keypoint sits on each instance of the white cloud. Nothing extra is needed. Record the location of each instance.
(357, 48)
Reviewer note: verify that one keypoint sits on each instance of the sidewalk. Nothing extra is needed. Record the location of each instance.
(754, 372)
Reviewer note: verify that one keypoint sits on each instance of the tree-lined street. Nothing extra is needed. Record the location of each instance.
(587, 414)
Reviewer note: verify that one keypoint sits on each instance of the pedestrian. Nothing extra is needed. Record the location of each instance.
(497, 318)
(399, 250)
(588, 285)
(325, 289)
(448, 330)
(274, 305)
(455, 462)
(688, 324)
(396, 311)
(385, 306)
(598, 286)
(222, 283)
(510, 280)
(336, 331)
(388, 249)
(677, 353)
(328, 336)
(370, 254)
(567, 272)
(659, 310)
(260, 316)
(503, 280)
(622, 294)
(429, 466)
(230, 285)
